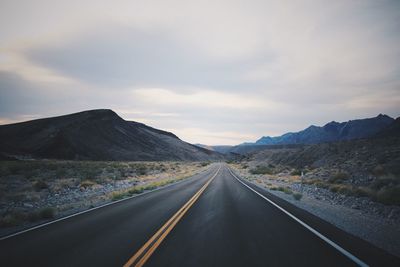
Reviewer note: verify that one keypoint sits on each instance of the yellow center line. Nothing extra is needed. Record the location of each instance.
(151, 245)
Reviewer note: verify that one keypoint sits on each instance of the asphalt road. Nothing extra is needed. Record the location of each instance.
(222, 223)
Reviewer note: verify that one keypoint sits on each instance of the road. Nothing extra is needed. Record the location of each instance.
(211, 219)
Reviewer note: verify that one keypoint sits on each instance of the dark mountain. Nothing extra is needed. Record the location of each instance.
(95, 135)
(392, 130)
(333, 131)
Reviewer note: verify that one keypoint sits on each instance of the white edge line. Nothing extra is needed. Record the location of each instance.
(324, 238)
(92, 209)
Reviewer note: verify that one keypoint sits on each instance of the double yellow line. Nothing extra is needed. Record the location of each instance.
(144, 253)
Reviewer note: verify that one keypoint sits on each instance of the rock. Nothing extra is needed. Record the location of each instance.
(355, 206)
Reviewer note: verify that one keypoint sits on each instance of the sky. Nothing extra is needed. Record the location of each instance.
(213, 72)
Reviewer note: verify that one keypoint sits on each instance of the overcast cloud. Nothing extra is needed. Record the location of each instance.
(213, 72)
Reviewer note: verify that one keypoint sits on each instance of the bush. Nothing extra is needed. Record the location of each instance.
(261, 170)
(141, 170)
(90, 172)
(40, 185)
(33, 216)
(378, 170)
(87, 183)
(61, 172)
(117, 195)
(47, 213)
(389, 195)
(338, 177)
(9, 221)
(385, 181)
(287, 190)
(136, 190)
(297, 196)
(296, 172)
(341, 189)
(364, 192)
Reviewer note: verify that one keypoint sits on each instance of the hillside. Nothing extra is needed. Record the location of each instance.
(95, 135)
(362, 167)
(392, 130)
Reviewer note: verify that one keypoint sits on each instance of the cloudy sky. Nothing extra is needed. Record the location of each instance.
(213, 72)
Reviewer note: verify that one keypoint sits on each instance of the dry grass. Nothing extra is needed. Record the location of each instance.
(146, 187)
(17, 218)
(262, 170)
(87, 183)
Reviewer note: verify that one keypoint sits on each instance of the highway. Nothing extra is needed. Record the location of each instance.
(211, 219)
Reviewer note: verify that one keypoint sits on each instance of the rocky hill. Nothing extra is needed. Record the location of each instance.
(95, 135)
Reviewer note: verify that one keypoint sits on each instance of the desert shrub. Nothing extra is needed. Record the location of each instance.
(261, 170)
(341, 189)
(338, 177)
(389, 195)
(297, 196)
(385, 181)
(162, 168)
(203, 164)
(363, 191)
(124, 172)
(61, 172)
(14, 167)
(87, 183)
(141, 169)
(287, 190)
(47, 213)
(33, 216)
(117, 195)
(9, 220)
(136, 190)
(321, 184)
(296, 172)
(90, 172)
(40, 185)
(378, 170)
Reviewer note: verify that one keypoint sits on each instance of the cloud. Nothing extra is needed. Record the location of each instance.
(119, 57)
(205, 70)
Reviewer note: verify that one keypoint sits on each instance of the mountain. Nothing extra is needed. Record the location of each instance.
(392, 130)
(95, 135)
(220, 149)
(330, 132)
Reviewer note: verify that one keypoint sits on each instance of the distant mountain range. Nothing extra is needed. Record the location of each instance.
(94, 135)
(381, 125)
(330, 132)
(219, 149)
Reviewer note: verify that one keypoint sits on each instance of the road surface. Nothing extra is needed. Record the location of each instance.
(211, 219)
